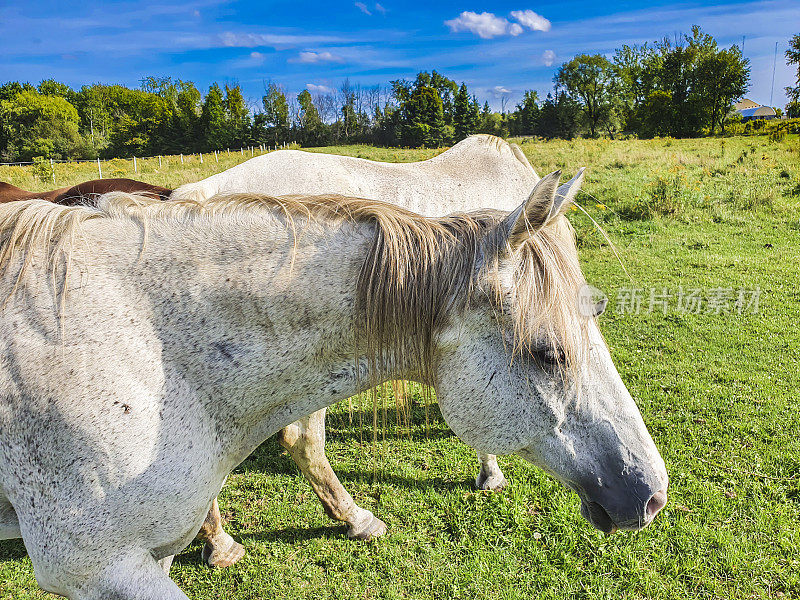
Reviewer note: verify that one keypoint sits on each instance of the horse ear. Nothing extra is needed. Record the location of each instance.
(566, 194)
(531, 215)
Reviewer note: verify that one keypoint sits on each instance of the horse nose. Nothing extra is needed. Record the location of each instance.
(655, 504)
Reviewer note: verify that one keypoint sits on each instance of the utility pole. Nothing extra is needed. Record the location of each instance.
(774, 62)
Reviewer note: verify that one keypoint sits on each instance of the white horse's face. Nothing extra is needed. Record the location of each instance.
(577, 422)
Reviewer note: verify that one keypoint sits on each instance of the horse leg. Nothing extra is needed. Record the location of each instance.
(104, 570)
(490, 476)
(305, 442)
(220, 549)
(165, 563)
(9, 523)
(133, 577)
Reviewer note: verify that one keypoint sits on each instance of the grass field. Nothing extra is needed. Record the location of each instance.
(718, 391)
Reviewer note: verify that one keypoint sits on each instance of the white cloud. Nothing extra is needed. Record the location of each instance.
(252, 60)
(531, 20)
(485, 25)
(548, 58)
(318, 89)
(380, 8)
(230, 39)
(500, 90)
(363, 8)
(257, 57)
(309, 57)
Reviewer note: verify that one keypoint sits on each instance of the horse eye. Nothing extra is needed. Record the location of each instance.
(549, 357)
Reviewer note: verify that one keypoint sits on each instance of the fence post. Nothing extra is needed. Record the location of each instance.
(99, 170)
(241, 150)
(135, 166)
(159, 161)
(181, 157)
(52, 171)
(216, 156)
(201, 158)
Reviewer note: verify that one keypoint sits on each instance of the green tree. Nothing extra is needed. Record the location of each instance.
(422, 120)
(558, 117)
(214, 123)
(523, 121)
(237, 116)
(186, 110)
(722, 77)
(465, 118)
(590, 81)
(40, 125)
(51, 87)
(276, 113)
(793, 58)
(310, 121)
(634, 81)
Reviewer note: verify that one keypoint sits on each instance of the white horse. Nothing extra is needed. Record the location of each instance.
(481, 171)
(147, 348)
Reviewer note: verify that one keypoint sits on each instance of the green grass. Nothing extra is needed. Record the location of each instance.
(718, 393)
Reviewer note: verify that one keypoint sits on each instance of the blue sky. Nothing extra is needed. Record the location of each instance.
(497, 48)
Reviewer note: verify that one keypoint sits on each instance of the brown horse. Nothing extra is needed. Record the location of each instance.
(84, 192)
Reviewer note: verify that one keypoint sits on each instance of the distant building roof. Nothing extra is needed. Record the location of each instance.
(745, 103)
(756, 112)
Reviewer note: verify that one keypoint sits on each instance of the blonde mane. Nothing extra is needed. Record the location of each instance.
(417, 274)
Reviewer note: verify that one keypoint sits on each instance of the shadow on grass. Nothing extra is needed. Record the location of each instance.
(291, 535)
(12, 550)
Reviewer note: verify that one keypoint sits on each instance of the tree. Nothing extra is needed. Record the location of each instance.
(51, 87)
(590, 80)
(464, 115)
(39, 125)
(276, 112)
(721, 78)
(422, 119)
(214, 123)
(523, 121)
(237, 116)
(633, 81)
(187, 110)
(793, 58)
(558, 117)
(310, 121)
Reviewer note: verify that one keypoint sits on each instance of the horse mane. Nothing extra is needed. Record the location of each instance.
(418, 271)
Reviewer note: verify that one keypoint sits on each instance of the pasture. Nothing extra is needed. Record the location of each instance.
(716, 383)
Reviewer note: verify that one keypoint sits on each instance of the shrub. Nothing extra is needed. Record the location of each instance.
(42, 169)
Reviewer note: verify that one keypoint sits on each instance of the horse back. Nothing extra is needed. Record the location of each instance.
(88, 191)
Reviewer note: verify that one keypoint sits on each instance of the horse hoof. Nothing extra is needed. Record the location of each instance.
(493, 483)
(370, 528)
(219, 559)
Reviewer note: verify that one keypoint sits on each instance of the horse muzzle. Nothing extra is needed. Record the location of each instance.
(630, 512)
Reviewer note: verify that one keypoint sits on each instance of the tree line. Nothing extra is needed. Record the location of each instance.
(683, 88)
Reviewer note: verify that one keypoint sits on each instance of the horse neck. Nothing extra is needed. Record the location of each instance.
(256, 322)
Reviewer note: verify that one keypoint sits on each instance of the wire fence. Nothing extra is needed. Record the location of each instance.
(49, 171)
(243, 151)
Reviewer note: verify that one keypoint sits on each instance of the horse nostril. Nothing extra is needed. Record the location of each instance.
(655, 504)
